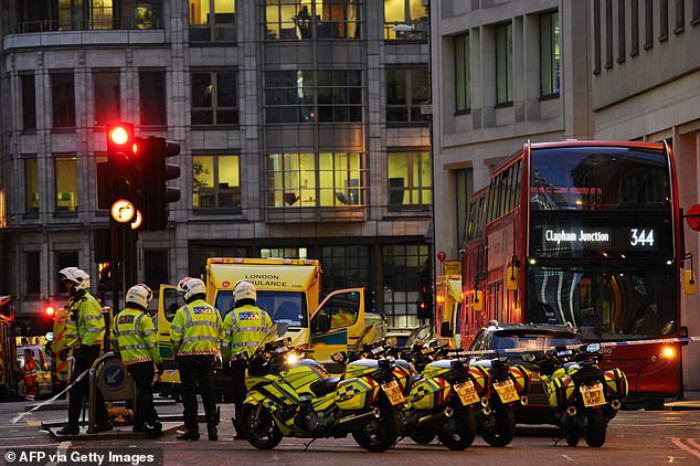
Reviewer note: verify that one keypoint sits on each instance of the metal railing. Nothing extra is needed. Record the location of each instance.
(86, 25)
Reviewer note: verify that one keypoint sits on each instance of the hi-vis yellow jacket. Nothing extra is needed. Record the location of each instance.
(196, 329)
(244, 329)
(136, 337)
(85, 324)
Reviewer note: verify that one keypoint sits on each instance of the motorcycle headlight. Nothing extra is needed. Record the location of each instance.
(292, 358)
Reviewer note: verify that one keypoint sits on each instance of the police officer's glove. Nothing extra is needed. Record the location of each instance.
(226, 368)
(160, 368)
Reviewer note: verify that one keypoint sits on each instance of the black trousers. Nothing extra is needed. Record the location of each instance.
(197, 370)
(84, 356)
(239, 392)
(142, 373)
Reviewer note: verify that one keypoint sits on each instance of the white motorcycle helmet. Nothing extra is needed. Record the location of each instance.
(191, 287)
(244, 290)
(139, 295)
(78, 277)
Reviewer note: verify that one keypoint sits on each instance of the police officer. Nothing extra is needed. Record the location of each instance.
(85, 329)
(244, 328)
(138, 348)
(195, 336)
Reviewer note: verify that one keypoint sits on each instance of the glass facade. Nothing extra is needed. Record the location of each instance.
(406, 20)
(306, 19)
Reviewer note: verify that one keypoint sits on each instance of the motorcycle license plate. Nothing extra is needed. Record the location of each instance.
(467, 393)
(506, 391)
(593, 395)
(393, 391)
(535, 376)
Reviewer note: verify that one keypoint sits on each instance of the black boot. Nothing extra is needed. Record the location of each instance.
(189, 435)
(154, 431)
(69, 429)
(212, 431)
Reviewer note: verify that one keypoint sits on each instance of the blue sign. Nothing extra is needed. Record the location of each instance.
(113, 376)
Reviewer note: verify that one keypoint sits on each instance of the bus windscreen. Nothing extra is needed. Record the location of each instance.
(599, 179)
(612, 304)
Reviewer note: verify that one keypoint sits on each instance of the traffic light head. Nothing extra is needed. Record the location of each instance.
(120, 177)
(157, 173)
(120, 139)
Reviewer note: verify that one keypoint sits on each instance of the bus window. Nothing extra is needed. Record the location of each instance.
(515, 193)
(470, 233)
(490, 208)
(505, 192)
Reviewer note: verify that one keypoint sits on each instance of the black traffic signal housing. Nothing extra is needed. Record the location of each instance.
(425, 304)
(120, 176)
(156, 174)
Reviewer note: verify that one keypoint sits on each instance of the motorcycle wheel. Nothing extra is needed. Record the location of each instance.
(423, 438)
(265, 435)
(595, 429)
(503, 431)
(572, 438)
(380, 434)
(464, 432)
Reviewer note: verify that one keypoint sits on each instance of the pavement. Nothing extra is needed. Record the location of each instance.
(690, 402)
(639, 438)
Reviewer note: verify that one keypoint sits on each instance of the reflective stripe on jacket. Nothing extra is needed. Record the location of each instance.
(196, 329)
(85, 324)
(135, 337)
(244, 329)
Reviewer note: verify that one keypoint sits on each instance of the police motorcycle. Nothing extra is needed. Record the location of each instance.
(289, 396)
(441, 401)
(584, 397)
(506, 390)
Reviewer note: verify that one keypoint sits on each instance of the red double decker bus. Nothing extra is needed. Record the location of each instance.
(587, 233)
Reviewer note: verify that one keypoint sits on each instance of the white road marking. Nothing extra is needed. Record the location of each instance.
(63, 449)
(567, 457)
(677, 442)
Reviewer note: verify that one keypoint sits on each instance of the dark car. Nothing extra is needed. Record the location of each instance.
(526, 337)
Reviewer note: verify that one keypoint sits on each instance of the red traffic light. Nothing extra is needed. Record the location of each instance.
(49, 310)
(119, 135)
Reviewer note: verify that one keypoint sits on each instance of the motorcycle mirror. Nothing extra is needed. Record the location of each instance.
(593, 348)
(339, 357)
(528, 357)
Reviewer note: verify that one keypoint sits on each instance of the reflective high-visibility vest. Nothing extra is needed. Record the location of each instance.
(85, 323)
(244, 329)
(135, 337)
(196, 329)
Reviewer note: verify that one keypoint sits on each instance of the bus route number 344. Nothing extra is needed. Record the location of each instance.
(641, 238)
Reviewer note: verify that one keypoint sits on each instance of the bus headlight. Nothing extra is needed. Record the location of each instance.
(668, 352)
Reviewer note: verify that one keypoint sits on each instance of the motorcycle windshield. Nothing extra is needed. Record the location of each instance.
(365, 337)
(420, 333)
(270, 336)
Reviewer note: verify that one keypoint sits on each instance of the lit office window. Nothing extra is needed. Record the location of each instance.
(66, 174)
(212, 20)
(410, 178)
(405, 20)
(216, 182)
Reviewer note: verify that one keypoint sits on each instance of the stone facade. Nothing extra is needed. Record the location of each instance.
(623, 77)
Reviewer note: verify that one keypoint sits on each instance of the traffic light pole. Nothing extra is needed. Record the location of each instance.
(116, 275)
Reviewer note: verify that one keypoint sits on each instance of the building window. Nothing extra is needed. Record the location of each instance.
(107, 97)
(214, 98)
(329, 179)
(28, 101)
(608, 34)
(216, 182)
(596, 37)
(212, 20)
(504, 64)
(63, 99)
(462, 73)
(32, 273)
(550, 72)
(405, 271)
(294, 96)
(345, 267)
(680, 16)
(410, 179)
(649, 24)
(31, 185)
(152, 97)
(298, 19)
(621, 31)
(634, 44)
(66, 174)
(465, 187)
(65, 259)
(406, 91)
(405, 20)
(663, 21)
(156, 270)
